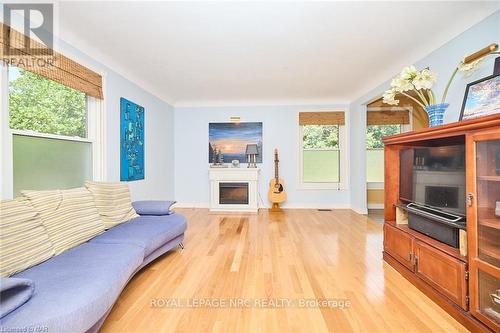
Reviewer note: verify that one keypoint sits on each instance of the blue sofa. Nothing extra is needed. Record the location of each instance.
(75, 291)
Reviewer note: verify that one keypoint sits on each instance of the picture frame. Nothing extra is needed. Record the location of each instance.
(482, 98)
(231, 139)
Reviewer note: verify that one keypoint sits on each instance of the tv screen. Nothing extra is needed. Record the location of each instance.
(434, 176)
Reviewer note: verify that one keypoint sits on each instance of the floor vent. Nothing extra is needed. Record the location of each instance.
(324, 210)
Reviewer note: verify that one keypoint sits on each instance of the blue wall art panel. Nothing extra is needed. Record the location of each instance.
(131, 141)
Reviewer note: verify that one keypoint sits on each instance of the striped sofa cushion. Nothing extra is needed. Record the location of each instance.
(24, 242)
(70, 216)
(113, 202)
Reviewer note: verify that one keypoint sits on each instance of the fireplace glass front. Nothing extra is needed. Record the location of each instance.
(233, 193)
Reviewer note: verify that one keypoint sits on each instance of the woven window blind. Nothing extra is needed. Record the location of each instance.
(388, 117)
(322, 118)
(53, 66)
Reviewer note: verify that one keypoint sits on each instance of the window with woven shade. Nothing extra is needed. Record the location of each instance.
(55, 116)
(322, 137)
(382, 123)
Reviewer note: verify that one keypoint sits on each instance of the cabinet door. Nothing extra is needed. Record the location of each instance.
(399, 245)
(445, 273)
(487, 307)
(483, 224)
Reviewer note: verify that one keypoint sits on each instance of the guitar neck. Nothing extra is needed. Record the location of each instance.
(276, 161)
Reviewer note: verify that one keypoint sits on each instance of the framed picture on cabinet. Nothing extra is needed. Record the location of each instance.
(482, 98)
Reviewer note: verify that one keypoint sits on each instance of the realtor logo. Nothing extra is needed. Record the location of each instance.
(36, 22)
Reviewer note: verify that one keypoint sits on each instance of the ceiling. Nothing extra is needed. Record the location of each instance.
(249, 53)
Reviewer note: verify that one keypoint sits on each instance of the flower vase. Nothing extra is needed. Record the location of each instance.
(436, 113)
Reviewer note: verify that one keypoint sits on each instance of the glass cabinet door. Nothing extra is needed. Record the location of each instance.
(484, 226)
(489, 296)
(488, 201)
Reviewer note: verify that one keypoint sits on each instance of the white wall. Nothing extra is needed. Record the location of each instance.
(442, 61)
(280, 130)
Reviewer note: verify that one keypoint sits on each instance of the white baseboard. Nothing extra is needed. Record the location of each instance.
(361, 211)
(286, 206)
(191, 205)
(316, 206)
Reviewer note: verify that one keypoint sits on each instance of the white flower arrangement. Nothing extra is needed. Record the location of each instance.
(417, 85)
(421, 82)
(410, 79)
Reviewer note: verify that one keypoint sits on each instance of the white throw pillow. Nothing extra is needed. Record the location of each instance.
(70, 216)
(113, 202)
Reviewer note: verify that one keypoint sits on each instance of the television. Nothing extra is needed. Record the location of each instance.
(434, 177)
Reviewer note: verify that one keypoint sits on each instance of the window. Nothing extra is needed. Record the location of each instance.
(321, 154)
(51, 145)
(321, 150)
(45, 106)
(375, 150)
(380, 124)
(52, 121)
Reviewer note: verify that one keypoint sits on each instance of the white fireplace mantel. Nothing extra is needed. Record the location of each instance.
(234, 175)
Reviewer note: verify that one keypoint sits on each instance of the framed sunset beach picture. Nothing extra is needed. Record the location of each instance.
(232, 139)
(482, 98)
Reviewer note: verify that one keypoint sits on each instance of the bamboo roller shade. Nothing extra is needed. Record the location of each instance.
(53, 66)
(322, 118)
(387, 117)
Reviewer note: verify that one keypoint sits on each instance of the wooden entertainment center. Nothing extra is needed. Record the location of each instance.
(463, 280)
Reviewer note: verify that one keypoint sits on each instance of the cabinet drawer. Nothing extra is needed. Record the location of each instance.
(445, 273)
(399, 245)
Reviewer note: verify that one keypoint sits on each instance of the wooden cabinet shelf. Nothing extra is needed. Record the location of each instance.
(490, 223)
(489, 178)
(489, 249)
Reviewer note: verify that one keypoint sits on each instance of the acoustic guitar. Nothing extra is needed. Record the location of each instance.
(276, 193)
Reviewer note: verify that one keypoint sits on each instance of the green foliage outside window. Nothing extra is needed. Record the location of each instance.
(375, 133)
(320, 136)
(42, 105)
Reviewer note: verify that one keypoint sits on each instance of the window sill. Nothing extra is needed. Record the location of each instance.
(321, 186)
(49, 136)
(375, 185)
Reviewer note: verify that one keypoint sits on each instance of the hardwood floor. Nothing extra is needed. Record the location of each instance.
(290, 256)
(376, 215)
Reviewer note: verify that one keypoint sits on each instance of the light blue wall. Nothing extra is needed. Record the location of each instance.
(189, 159)
(442, 61)
(159, 130)
(159, 142)
(280, 130)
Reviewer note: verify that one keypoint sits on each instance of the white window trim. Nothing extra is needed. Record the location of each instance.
(6, 170)
(343, 149)
(404, 128)
(95, 135)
